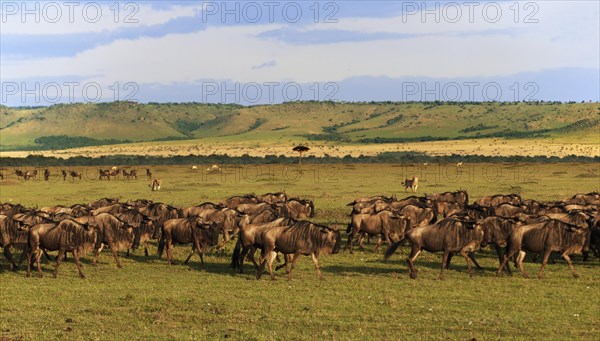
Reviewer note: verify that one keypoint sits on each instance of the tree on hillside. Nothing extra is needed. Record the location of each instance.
(300, 149)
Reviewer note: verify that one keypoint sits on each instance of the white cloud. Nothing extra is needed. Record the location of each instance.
(52, 18)
(565, 37)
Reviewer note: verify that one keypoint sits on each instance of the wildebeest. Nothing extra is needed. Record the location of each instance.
(197, 209)
(12, 234)
(413, 184)
(46, 174)
(507, 210)
(250, 239)
(450, 235)
(188, 230)
(159, 213)
(496, 231)
(112, 209)
(103, 202)
(148, 173)
(584, 199)
(301, 238)
(236, 200)
(299, 209)
(64, 174)
(498, 199)
(398, 205)
(545, 237)
(385, 224)
(460, 197)
(30, 174)
(131, 174)
(226, 221)
(74, 175)
(111, 231)
(103, 174)
(143, 227)
(66, 236)
(273, 198)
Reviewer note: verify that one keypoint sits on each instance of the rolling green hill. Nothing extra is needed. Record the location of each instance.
(71, 125)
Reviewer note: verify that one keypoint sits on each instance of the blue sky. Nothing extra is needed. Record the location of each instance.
(268, 52)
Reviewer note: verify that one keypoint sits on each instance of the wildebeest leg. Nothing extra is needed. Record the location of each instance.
(270, 258)
(467, 257)
(96, 254)
(547, 254)
(260, 269)
(472, 256)
(190, 255)
(113, 249)
(76, 256)
(8, 256)
(29, 254)
(414, 252)
(316, 262)
(350, 238)
(286, 261)
(170, 251)
(61, 254)
(294, 260)
(501, 257)
(48, 258)
(38, 257)
(449, 260)
(146, 249)
(199, 250)
(520, 259)
(244, 254)
(444, 260)
(504, 263)
(378, 245)
(568, 259)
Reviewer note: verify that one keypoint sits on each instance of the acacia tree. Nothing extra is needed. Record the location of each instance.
(300, 149)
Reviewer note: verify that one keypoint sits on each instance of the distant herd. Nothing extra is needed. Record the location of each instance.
(277, 224)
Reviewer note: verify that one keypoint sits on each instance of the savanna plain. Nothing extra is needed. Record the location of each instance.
(362, 296)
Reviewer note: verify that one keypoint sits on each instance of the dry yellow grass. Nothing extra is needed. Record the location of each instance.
(486, 147)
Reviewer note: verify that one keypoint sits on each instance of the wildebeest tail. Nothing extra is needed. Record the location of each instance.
(349, 228)
(235, 257)
(390, 251)
(161, 245)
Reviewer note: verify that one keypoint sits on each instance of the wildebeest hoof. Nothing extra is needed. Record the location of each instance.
(413, 276)
(82, 276)
(442, 278)
(273, 278)
(119, 266)
(576, 275)
(526, 275)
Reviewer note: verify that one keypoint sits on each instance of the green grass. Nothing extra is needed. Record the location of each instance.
(363, 297)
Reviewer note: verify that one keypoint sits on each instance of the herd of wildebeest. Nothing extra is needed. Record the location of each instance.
(279, 225)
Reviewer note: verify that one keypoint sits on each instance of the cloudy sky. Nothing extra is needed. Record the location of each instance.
(268, 52)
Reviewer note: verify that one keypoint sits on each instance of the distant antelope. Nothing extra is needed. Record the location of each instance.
(148, 173)
(459, 164)
(155, 185)
(413, 184)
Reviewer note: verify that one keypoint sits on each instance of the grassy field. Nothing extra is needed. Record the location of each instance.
(363, 297)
